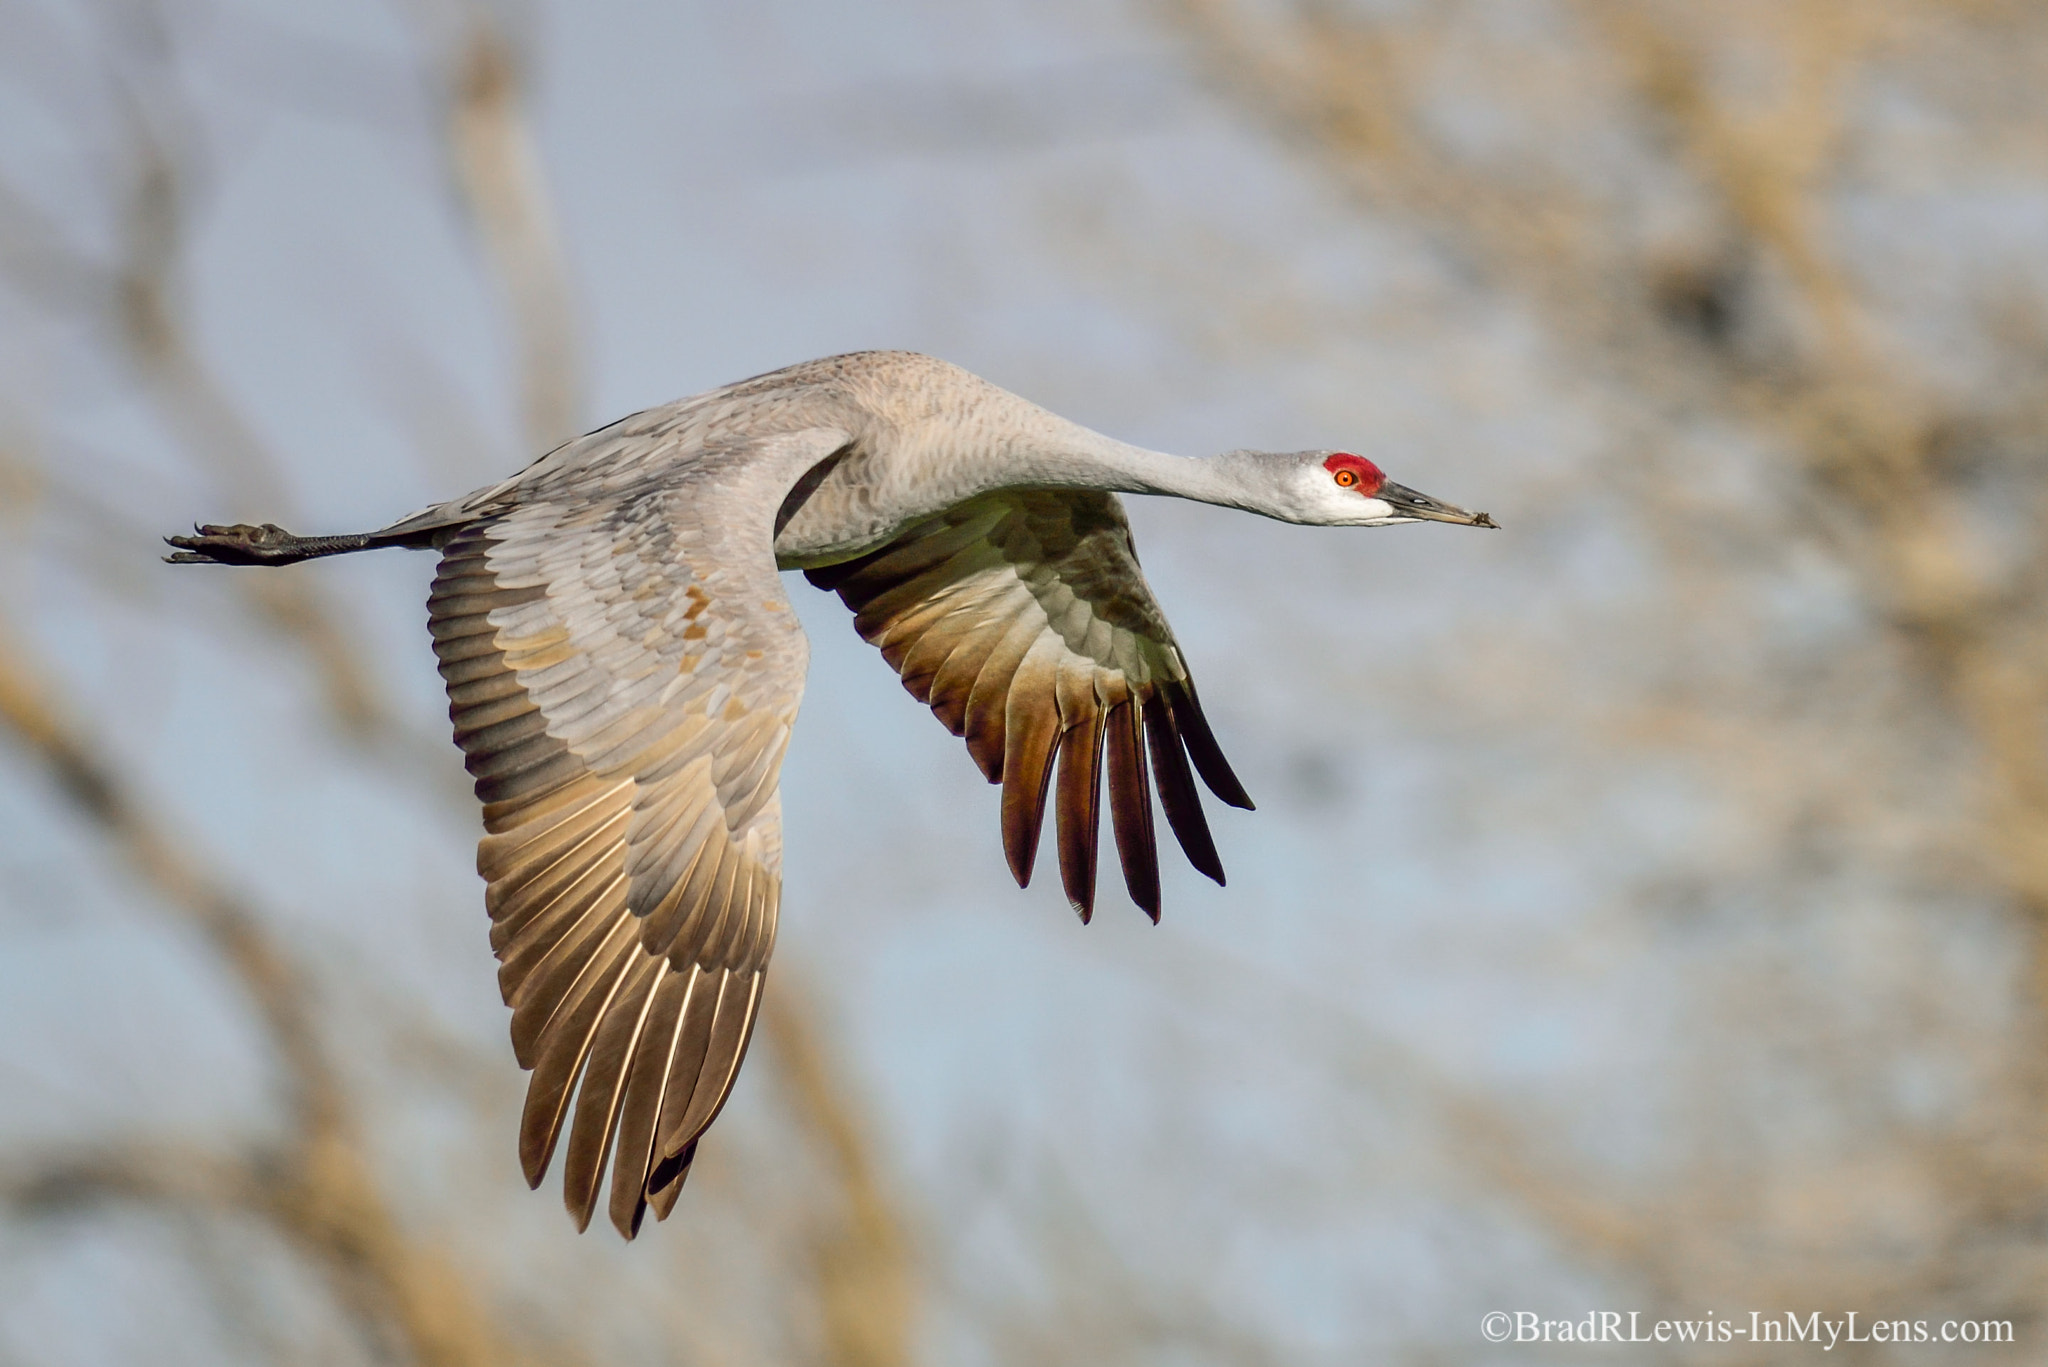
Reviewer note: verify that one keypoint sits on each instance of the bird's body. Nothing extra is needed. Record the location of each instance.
(623, 670)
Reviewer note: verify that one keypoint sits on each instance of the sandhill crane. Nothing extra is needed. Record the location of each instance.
(623, 668)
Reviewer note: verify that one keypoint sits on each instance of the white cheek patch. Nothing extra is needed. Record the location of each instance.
(1377, 508)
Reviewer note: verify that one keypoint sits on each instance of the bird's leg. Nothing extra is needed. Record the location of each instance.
(268, 544)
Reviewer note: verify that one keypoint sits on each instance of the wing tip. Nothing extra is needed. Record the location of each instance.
(1202, 747)
(1175, 786)
(536, 1142)
(665, 1180)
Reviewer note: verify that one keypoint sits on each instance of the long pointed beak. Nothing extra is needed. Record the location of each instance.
(1407, 503)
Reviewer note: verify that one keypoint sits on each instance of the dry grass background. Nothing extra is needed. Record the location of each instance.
(406, 1298)
(1746, 312)
(1674, 199)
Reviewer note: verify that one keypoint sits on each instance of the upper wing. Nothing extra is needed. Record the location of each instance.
(1022, 618)
(623, 675)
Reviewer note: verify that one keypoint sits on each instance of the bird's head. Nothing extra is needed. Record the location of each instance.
(1339, 489)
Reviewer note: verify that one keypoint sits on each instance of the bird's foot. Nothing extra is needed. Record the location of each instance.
(240, 544)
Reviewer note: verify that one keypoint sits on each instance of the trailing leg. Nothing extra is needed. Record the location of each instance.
(268, 544)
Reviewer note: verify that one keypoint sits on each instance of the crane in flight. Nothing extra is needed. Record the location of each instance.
(623, 669)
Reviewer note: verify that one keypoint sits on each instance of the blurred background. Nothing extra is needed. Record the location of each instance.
(1646, 906)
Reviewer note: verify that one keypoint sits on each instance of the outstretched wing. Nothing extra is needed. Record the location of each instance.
(623, 675)
(1022, 618)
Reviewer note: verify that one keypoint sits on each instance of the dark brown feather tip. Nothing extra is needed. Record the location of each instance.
(1178, 796)
(1077, 801)
(1202, 747)
(1130, 805)
(1027, 774)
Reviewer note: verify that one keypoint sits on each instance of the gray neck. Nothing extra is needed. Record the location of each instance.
(1069, 456)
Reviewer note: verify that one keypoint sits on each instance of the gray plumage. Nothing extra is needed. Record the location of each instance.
(624, 667)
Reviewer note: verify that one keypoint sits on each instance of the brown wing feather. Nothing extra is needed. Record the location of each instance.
(623, 695)
(1130, 804)
(1021, 618)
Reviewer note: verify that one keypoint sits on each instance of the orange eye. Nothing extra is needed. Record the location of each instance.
(1346, 479)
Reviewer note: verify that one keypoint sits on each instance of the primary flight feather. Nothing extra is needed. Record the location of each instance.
(623, 669)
